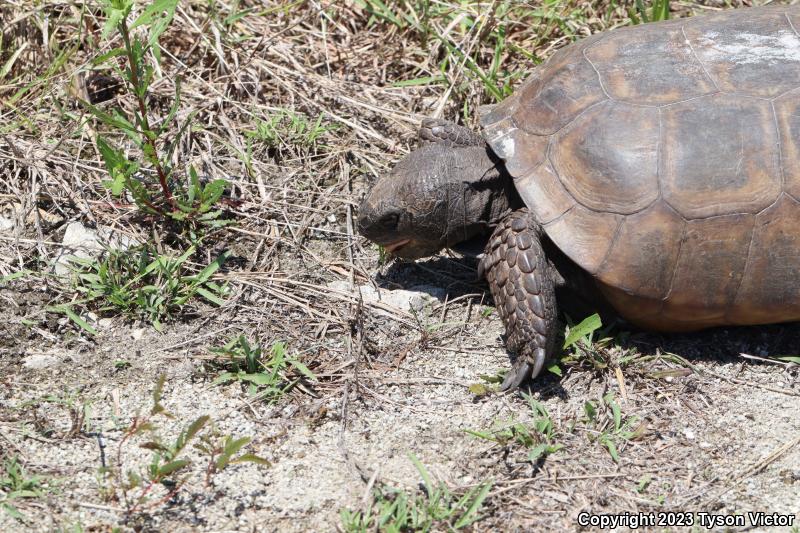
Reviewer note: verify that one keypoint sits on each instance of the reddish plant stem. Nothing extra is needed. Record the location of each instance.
(134, 68)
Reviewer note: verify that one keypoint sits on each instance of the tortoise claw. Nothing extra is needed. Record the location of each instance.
(517, 375)
(524, 368)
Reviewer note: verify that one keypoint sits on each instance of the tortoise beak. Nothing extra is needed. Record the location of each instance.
(391, 248)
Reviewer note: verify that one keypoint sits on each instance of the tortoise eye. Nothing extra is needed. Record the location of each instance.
(390, 220)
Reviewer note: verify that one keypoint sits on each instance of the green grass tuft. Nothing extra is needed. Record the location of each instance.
(436, 508)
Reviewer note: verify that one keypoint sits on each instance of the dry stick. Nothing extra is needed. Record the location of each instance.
(342, 443)
(193, 340)
(346, 169)
(328, 292)
(315, 105)
(766, 360)
(433, 380)
(757, 467)
(368, 489)
(737, 381)
(13, 445)
(465, 55)
(517, 482)
(285, 298)
(100, 507)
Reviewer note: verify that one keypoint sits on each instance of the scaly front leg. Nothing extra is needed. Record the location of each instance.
(523, 288)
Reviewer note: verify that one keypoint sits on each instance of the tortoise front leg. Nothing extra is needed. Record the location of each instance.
(523, 288)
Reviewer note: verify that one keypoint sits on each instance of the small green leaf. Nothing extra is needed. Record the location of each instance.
(76, 319)
(478, 389)
(212, 267)
(195, 190)
(210, 296)
(116, 185)
(169, 468)
(303, 369)
(555, 369)
(481, 434)
(590, 410)
(472, 513)
(644, 481)
(116, 52)
(426, 477)
(232, 447)
(425, 80)
(537, 452)
(12, 511)
(612, 449)
(113, 159)
(256, 379)
(153, 10)
(6, 68)
(111, 120)
(115, 12)
(195, 427)
(225, 377)
(586, 327)
(251, 458)
(213, 191)
(14, 275)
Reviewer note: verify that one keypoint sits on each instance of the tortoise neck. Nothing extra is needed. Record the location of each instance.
(484, 203)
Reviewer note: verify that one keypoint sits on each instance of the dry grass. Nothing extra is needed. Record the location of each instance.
(370, 75)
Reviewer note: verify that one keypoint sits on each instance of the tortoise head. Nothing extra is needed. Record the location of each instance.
(435, 197)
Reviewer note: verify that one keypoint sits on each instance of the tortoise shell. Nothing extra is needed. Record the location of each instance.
(664, 159)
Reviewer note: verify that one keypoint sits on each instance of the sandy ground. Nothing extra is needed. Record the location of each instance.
(404, 354)
(708, 445)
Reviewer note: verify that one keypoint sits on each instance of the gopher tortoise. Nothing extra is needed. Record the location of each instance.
(655, 167)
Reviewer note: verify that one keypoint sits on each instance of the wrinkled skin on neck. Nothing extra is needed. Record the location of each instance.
(436, 197)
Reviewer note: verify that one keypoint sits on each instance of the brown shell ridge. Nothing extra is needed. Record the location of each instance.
(638, 104)
(603, 87)
(660, 155)
(780, 149)
(784, 93)
(706, 95)
(562, 215)
(674, 267)
(772, 160)
(745, 271)
(549, 160)
(596, 71)
(737, 302)
(697, 58)
(706, 217)
(791, 25)
(605, 210)
(614, 238)
(576, 117)
(611, 244)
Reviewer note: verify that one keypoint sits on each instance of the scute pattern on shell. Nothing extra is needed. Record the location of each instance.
(684, 128)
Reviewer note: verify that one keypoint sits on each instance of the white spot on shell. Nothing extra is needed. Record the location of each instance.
(506, 148)
(749, 48)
